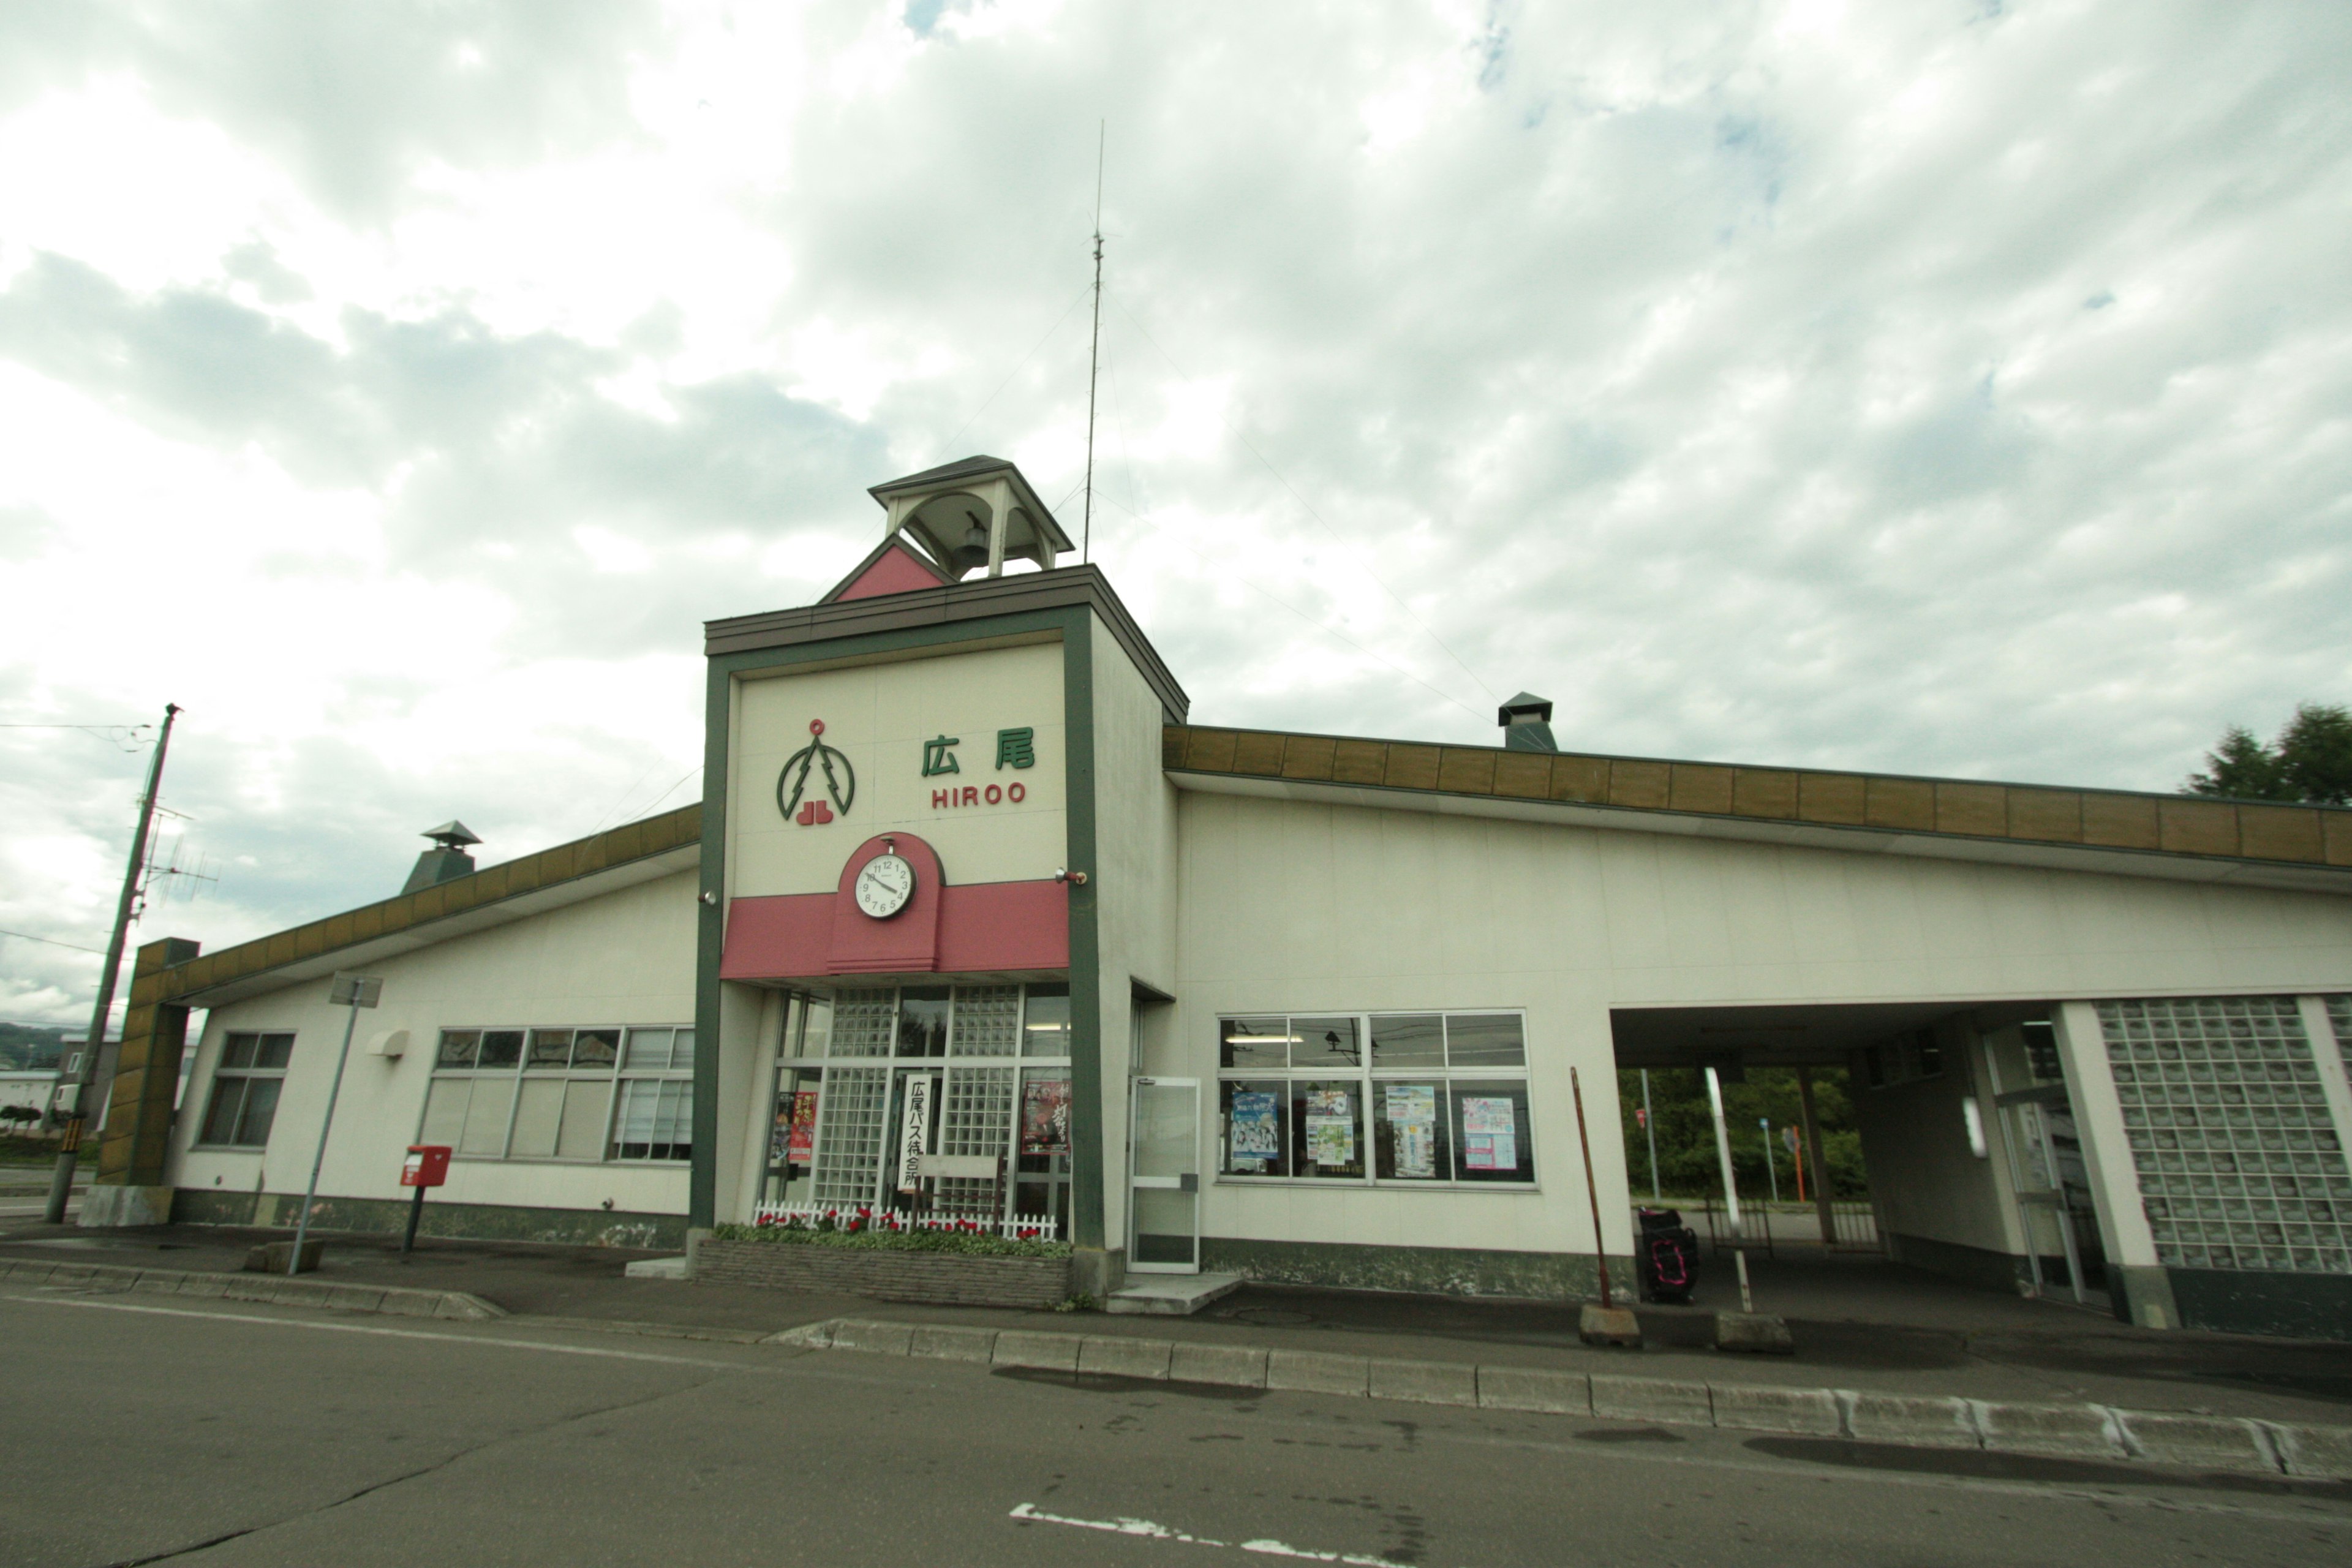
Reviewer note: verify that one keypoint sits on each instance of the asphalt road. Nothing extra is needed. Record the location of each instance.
(219, 1433)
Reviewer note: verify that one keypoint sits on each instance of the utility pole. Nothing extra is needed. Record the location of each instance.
(1730, 1190)
(1650, 1125)
(1094, 349)
(355, 992)
(68, 1154)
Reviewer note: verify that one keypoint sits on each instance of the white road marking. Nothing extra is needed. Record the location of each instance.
(388, 1333)
(1149, 1530)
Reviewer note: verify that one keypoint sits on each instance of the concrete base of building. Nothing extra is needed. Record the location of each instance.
(2254, 1301)
(470, 1221)
(106, 1206)
(1432, 1270)
(1169, 1295)
(1097, 1271)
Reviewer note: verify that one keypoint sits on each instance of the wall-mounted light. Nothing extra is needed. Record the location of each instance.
(1975, 1119)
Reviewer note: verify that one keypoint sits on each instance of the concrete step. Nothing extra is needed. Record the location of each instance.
(1170, 1295)
(657, 1268)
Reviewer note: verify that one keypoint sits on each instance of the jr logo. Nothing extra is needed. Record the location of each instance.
(840, 781)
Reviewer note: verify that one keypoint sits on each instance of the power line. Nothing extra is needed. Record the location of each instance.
(29, 936)
(1017, 369)
(1320, 625)
(672, 790)
(1308, 507)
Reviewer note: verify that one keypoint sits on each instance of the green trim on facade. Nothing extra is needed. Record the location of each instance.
(2253, 833)
(2295, 1306)
(465, 1222)
(1088, 1155)
(489, 886)
(710, 942)
(1429, 1270)
(1071, 624)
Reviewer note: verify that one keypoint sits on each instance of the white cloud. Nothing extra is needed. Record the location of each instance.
(1948, 389)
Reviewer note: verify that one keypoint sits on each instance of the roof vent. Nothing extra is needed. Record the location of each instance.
(445, 859)
(1527, 723)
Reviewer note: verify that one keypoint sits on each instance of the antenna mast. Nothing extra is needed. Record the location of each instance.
(1094, 349)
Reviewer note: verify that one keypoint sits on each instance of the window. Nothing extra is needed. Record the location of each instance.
(2225, 1111)
(244, 1091)
(1408, 1098)
(997, 1060)
(599, 1093)
(656, 1121)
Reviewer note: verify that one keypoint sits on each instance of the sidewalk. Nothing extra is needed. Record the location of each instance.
(1929, 1340)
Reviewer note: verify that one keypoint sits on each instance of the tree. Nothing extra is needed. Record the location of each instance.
(2310, 761)
(1687, 1163)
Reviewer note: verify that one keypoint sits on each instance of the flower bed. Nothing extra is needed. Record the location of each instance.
(877, 1258)
(880, 1235)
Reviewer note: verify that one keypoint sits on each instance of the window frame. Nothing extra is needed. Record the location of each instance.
(1369, 1079)
(800, 1067)
(613, 1074)
(223, 1073)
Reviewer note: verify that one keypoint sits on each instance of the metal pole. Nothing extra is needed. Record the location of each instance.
(1771, 1168)
(1600, 1247)
(415, 1212)
(1730, 1189)
(1650, 1125)
(303, 1222)
(69, 1151)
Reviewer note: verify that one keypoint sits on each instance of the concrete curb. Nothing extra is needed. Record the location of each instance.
(392, 1299)
(2059, 1431)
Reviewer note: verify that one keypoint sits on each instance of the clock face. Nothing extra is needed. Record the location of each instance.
(884, 886)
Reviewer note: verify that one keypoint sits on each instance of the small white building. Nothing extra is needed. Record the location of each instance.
(966, 879)
(31, 1088)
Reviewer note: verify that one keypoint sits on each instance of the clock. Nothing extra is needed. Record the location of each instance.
(884, 886)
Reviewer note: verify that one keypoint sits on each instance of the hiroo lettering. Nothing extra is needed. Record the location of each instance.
(977, 795)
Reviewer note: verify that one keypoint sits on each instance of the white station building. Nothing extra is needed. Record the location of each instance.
(967, 881)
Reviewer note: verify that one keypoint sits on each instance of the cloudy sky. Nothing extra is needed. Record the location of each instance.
(1960, 387)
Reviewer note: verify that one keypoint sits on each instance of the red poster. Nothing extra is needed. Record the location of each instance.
(1045, 1116)
(800, 1143)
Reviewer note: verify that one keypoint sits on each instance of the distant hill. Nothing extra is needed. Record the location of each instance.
(30, 1046)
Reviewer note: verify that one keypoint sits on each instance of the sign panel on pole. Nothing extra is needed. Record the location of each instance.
(914, 1130)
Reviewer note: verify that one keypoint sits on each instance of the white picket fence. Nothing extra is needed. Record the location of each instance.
(1020, 1227)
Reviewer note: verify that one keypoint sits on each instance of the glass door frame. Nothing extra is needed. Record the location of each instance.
(1188, 1182)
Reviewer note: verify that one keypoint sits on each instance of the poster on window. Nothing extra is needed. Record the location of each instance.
(1490, 1139)
(1045, 1116)
(794, 1140)
(1413, 1129)
(1256, 1133)
(1330, 1127)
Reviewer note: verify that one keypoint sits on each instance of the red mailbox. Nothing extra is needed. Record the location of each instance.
(428, 1165)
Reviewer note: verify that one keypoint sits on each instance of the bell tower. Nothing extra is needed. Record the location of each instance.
(963, 516)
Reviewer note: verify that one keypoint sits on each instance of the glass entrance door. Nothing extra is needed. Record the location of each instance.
(2053, 1192)
(1163, 1209)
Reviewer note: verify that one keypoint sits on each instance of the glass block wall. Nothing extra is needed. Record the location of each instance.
(2241, 1164)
